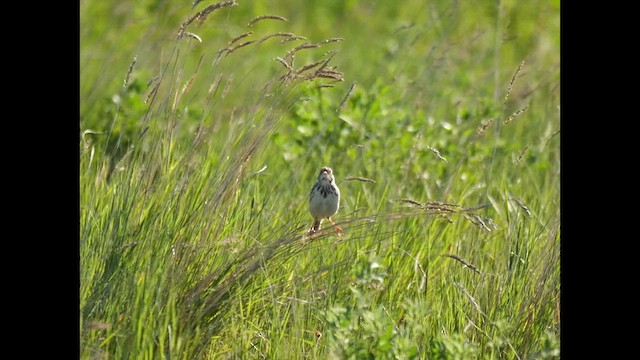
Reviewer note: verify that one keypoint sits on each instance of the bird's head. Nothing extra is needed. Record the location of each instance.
(326, 175)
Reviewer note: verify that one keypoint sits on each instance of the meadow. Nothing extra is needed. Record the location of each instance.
(203, 126)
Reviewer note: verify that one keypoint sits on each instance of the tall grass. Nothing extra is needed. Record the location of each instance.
(198, 155)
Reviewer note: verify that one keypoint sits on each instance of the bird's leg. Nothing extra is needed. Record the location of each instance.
(338, 228)
(314, 228)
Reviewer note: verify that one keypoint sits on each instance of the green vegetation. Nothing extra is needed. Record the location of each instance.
(440, 120)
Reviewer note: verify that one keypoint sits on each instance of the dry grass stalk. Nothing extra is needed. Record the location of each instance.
(469, 297)
(344, 99)
(412, 202)
(202, 15)
(323, 72)
(466, 264)
(215, 85)
(330, 74)
(437, 206)
(152, 92)
(330, 41)
(551, 137)
(218, 57)
(280, 34)
(89, 132)
(265, 93)
(131, 66)
(324, 64)
(515, 115)
(290, 53)
(522, 205)
(227, 86)
(440, 205)
(230, 50)
(284, 63)
(444, 209)
(362, 179)
(241, 36)
(484, 126)
(477, 220)
(517, 160)
(292, 38)
(263, 17)
(435, 151)
(185, 88)
(153, 80)
(309, 67)
(513, 79)
(190, 34)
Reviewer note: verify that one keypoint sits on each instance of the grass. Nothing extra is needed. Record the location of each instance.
(202, 131)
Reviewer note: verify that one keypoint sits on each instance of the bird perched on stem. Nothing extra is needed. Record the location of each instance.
(324, 200)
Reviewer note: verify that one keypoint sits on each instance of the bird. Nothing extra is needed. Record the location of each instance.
(324, 200)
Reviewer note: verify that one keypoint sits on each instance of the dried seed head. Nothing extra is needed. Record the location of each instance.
(241, 36)
(190, 34)
(263, 17)
(133, 63)
(292, 38)
(284, 63)
(361, 179)
(153, 80)
(152, 92)
(344, 99)
(516, 160)
(308, 67)
(522, 205)
(412, 202)
(287, 35)
(435, 151)
(466, 264)
(513, 79)
(201, 15)
(484, 126)
(231, 50)
(303, 46)
(515, 115)
(330, 41)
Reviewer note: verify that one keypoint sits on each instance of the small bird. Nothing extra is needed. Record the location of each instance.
(324, 200)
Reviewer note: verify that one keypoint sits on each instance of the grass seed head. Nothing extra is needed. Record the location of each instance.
(264, 17)
(515, 115)
(513, 80)
(346, 96)
(131, 66)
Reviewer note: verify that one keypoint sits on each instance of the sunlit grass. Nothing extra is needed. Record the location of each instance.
(195, 178)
